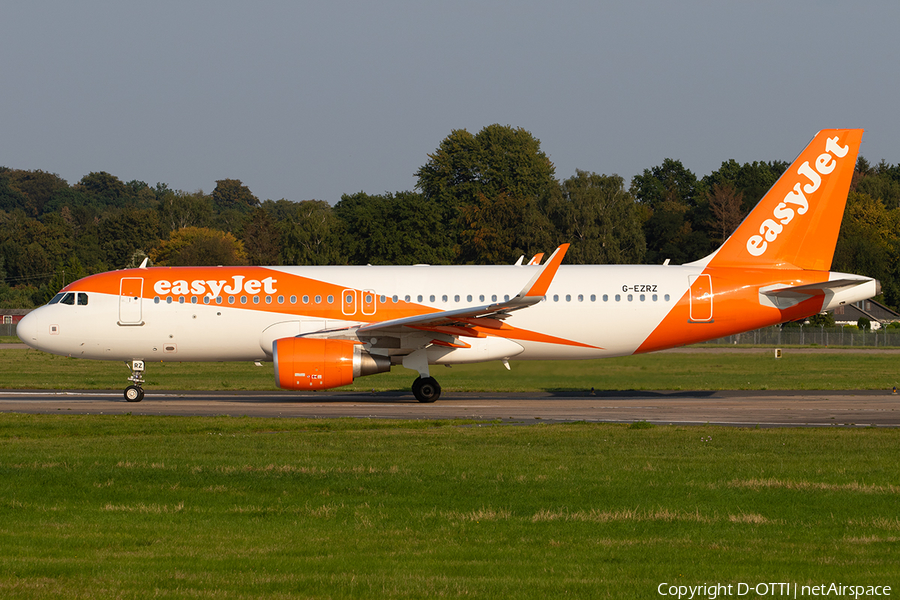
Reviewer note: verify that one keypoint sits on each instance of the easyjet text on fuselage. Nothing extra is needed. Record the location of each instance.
(213, 287)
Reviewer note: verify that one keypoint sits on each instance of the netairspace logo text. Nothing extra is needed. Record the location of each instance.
(780, 589)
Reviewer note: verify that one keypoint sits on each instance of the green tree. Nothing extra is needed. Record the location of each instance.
(311, 232)
(676, 213)
(825, 319)
(868, 244)
(178, 210)
(725, 206)
(501, 228)
(82, 207)
(499, 158)
(262, 241)
(750, 180)
(401, 228)
(10, 198)
(122, 232)
(233, 204)
(879, 182)
(199, 246)
(107, 189)
(475, 179)
(30, 249)
(600, 219)
(140, 194)
(38, 187)
(71, 270)
(233, 194)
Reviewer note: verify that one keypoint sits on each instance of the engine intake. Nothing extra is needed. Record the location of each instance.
(317, 364)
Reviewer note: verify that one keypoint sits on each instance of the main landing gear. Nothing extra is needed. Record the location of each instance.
(426, 389)
(134, 392)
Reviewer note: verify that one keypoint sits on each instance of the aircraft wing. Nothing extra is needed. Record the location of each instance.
(488, 315)
(462, 321)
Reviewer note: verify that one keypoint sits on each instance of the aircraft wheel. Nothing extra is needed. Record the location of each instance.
(134, 394)
(426, 389)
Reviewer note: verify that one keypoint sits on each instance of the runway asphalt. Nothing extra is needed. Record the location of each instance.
(863, 408)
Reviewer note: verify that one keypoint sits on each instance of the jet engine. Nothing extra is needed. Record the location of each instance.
(321, 364)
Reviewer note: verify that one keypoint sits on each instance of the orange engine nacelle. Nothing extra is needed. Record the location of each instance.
(317, 364)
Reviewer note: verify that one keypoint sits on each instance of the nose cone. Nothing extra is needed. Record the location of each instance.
(27, 329)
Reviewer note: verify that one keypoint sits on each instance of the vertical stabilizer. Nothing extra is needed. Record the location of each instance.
(796, 223)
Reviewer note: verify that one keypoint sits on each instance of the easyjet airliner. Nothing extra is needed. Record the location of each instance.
(324, 326)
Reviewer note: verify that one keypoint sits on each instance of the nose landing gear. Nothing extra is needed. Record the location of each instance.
(134, 392)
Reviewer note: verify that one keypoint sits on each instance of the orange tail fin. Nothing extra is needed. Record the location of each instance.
(796, 223)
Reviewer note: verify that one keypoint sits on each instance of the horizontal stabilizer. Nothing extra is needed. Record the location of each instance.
(814, 289)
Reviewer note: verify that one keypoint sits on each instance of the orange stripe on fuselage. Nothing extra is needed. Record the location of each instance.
(268, 284)
(234, 283)
(735, 307)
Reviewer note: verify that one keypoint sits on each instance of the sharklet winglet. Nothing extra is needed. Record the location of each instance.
(540, 283)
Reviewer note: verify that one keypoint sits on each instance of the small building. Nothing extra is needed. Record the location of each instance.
(877, 313)
(12, 316)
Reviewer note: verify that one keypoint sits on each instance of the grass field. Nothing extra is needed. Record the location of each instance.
(136, 507)
(676, 371)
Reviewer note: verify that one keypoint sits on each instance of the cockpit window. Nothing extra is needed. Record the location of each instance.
(82, 299)
(56, 298)
(69, 299)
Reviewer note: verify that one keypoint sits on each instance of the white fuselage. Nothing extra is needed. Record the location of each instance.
(588, 311)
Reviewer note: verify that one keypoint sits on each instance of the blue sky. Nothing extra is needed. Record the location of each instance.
(311, 100)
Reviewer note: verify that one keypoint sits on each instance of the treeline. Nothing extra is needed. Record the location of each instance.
(484, 198)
